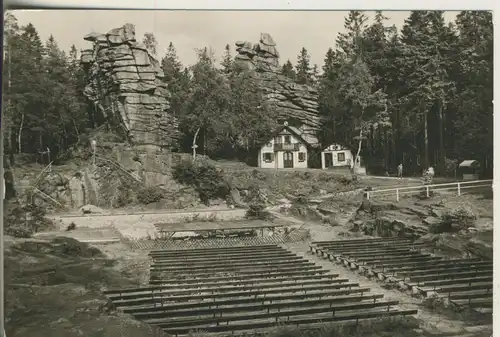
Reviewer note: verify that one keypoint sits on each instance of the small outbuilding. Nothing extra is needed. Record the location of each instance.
(470, 169)
(336, 155)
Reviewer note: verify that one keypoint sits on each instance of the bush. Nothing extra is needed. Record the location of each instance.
(462, 216)
(257, 204)
(205, 178)
(124, 195)
(18, 224)
(150, 195)
(257, 211)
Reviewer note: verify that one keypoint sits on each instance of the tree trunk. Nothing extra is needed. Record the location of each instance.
(386, 150)
(360, 142)
(426, 142)
(442, 154)
(9, 134)
(19, 135)
(194, 144)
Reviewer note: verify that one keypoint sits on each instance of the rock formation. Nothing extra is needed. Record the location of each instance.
(293, 101)
(124, 82)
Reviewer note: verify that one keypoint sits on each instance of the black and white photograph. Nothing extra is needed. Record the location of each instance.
(247, 173)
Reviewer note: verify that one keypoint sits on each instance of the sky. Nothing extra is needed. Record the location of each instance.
(188, 30)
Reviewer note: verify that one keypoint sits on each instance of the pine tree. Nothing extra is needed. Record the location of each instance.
(227, 61)
(350, 43)
(288, 71)
(328, 100)
(149, 40)
(472, 121)
(303, 67)
(315, 75)
(170, 64)
(177, 80)
(427, 77)
(10, 41)
(29, 92)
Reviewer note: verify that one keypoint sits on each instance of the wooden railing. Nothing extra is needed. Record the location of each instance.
(286, 147)
(456, 186)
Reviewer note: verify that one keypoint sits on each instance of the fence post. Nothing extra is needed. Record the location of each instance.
(427, 191)
(397, 194)
(458, 185)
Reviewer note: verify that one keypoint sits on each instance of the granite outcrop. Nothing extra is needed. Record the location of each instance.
(125, 84)
(294, 102)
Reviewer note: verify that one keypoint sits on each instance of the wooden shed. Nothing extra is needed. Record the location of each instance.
(470, 169)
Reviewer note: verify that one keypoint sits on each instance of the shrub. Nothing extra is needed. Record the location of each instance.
(462, 216)
(18, 224)
(257, 211)
(433, 302)
(150, 195)
(124, 196)
(205, 178)
(257, 204)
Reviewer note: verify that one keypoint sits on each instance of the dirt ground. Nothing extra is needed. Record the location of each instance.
(54, 288)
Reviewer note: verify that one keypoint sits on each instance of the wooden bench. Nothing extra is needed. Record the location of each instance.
(224, 256)
(445, 269)
(199, 295)
(368, 245)
(263, 258)
(307, 273)
(216, 287)
(299, 279)
(332, 310)
(238, 301)
(466, 280)
(258, 307)
(228, 265)
(252, 271)
(440, 263)
(449, 276)
(213, 251)
(295, 322)
(354, 240)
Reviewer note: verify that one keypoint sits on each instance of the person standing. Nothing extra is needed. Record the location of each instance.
(431, 172)
(400, 171)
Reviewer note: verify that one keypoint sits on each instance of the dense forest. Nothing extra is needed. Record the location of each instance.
(421, 95)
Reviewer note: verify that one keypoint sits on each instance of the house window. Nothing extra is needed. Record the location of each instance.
(269, 144)
(268, 157)
(341, 156)
(277, 140)
(288, 140)
(302, 156)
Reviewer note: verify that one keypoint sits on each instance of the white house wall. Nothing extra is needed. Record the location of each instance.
(278, 156)
(335, 162)
(264, 164)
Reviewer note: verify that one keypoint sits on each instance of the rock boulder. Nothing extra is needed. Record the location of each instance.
(294, 102)
(124, 83)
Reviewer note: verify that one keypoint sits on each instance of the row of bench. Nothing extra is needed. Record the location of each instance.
(237, 289)
(464, 282)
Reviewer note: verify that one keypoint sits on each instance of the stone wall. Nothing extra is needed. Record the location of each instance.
(124, 83)
(293, 101)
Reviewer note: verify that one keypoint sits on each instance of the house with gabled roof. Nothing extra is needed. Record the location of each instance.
(287, 147)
